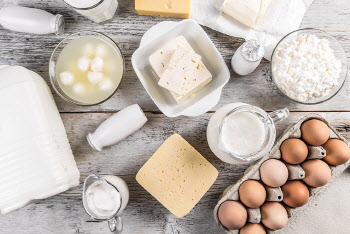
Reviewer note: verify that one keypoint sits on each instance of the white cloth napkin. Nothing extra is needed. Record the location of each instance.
(282, 17)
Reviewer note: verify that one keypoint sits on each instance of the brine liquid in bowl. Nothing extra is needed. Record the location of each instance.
(89, 69)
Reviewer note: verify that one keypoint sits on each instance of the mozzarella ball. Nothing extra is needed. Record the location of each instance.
(83, 64)
(66, 78)
(106, 84)
(79, 88)
(101, 50)
(95, 77)
(97, 64)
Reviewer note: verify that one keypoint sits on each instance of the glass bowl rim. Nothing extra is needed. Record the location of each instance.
(85, 8)
(322, 32)
(71, 100)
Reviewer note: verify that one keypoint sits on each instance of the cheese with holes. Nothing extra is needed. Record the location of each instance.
(248, 12)
(160, 61)
(177, 175)
(165, 8)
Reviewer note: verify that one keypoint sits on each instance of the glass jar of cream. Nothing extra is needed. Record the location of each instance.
(239, 133)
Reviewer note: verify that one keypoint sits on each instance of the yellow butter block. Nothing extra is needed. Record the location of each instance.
(177, 175)
(164, 8)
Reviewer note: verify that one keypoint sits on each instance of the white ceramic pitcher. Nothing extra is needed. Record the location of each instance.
(36, 160)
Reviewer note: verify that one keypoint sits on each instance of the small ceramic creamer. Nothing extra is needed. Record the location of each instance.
(36, 160)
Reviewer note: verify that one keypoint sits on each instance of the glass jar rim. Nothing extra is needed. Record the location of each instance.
(270, 133)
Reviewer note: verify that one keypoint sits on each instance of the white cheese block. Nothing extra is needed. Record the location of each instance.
(177, 175)
(160, 61)
(178, 77)
(248, 12)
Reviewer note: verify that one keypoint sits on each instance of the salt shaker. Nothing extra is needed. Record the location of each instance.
(30, 20)
(117, 127)
(247, 57)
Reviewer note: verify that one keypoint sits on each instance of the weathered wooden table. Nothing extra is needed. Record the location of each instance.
(64, 213)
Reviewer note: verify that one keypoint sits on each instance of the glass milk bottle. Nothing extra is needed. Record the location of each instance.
(36, 160)
(95, 10)
(239, 133)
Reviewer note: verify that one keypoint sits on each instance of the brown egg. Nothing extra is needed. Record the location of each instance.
(252, 193)
(232, 215)
(337, 152)
(295, 193)
(252, 228)
(294, 151)
(273, 215)
(314, 132)
(317, 173)
(274, 173)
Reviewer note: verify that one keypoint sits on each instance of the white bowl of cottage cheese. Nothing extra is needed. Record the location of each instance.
(309, 66)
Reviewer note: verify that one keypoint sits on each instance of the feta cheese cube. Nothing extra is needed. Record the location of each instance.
(106, 84)
(79, 88)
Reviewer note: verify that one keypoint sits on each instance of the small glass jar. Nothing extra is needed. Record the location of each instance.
(115, 221)
(215, 134)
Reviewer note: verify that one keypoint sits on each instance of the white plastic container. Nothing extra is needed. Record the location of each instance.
(158, 36)
(36, 160)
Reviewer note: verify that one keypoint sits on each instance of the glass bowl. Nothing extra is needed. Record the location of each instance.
(338, 52)
(61, 46)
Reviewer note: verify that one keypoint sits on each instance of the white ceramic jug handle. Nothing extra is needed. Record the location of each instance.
(116, 224)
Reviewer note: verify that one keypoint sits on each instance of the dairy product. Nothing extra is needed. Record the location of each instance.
(105, 200)
(30, 20)
(160, 61)
(248, 12)
(95, 10)
(177, 175)
(165, 8)
(178, 77)
(36, 160)
(243, 133)
(85, 77)
(305, 67)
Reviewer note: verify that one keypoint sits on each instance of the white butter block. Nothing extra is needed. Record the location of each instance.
(95, 77)
(83, 64)
(177, 175)
(160, 61)
(66, 78)
(97, 64)
(248, 12)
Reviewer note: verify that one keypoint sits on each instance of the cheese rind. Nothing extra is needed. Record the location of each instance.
(177, 175)
(248, 12)
(164, 8)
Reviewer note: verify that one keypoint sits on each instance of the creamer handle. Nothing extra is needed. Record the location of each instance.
(116, 224)
(279, 115)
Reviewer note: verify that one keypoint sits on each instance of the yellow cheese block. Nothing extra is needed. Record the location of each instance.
(164, 8)
(177, 175)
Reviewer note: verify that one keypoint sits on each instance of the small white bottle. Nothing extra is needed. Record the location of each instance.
(117, 127)
(30, 20)
(247, 57)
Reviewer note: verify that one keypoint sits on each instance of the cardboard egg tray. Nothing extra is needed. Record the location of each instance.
(295, 172)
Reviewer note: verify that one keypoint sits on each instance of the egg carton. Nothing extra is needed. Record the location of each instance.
(295, 172)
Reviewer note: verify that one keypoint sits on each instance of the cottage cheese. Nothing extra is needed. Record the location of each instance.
(305, 67)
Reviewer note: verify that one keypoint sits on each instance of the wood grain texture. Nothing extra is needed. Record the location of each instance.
(64, 213)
